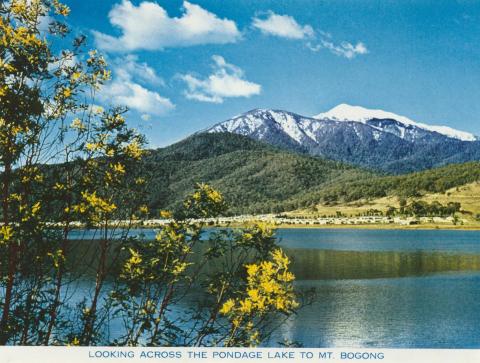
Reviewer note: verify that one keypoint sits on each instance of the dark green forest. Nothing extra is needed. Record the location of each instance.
(258, 178)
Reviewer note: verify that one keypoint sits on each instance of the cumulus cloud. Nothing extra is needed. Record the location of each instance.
(129, 68)
(283, 26)
(226, 81)
(344, 49)
(138, 98)
(129, 88)
(149, 27)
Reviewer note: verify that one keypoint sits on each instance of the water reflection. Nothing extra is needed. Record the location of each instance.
(438, 311)
(351, 239)
(383, 289)
(312, 264)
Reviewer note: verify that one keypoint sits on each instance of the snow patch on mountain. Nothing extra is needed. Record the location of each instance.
(345, 112)
(288, 124)
(259, 120)
(242, 124)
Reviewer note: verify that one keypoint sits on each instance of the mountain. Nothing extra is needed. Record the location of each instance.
(254, 177)
(368, 138)
(258, 178)
(344, 112)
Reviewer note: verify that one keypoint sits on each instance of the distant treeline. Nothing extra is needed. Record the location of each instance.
(419, 208)
(437, 180)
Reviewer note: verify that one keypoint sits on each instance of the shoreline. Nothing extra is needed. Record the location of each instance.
(372, 227)
(298, 225)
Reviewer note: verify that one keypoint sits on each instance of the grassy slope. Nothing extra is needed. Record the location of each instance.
(468, 195)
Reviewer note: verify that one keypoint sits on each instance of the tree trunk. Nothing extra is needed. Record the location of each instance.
(12, 257)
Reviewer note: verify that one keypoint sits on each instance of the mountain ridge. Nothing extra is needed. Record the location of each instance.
(346, 112)
(385, 144)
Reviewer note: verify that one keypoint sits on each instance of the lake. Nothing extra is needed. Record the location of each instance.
(386, 288)
(382, 288)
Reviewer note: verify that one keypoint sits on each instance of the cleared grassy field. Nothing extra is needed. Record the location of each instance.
(468, 196)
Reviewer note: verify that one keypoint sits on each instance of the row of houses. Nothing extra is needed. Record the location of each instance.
(282, 220)
(276, 220)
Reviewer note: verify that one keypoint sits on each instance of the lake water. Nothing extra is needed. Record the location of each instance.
(354, 239)
(383, 288)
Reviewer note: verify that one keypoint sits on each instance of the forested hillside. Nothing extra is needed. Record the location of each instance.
(436, 180)
(256, 177)
(253, 176)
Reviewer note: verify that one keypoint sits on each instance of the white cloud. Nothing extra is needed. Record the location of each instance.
(283, 26)
(226, 81)
(138, 98)
(125, 88)
(128, 67)
(149, 27)
(344, 49)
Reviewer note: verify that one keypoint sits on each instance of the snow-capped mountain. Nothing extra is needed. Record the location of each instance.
(344, 112)
(280, 128)
(371, 138)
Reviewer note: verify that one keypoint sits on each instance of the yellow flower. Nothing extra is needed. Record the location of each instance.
(280, 258)
(246, 306)
(59, 186)
(61, 9)
(19, 7)
(67, 92)
(135, 258)
(267, 267)
(106, 75)
(78, 125)
(286, 276)
(6, 232)
(74, 342)
(253, 294)
(76, 75)
(165, 214)
(134, 150)
(227, 306)
(269, 286)
(98, 203)
(252, 269)
(215, 195)
(35, 208)
(280, 303)
(179, 268)
(90, 146)
(236, 322)
(119, 168)
(140, 181)
(254, 338)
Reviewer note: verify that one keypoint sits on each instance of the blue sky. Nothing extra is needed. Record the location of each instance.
(183, 66)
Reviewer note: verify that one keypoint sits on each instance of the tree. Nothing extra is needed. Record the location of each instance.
(66, 163)
(239, 278)
(46, 116)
